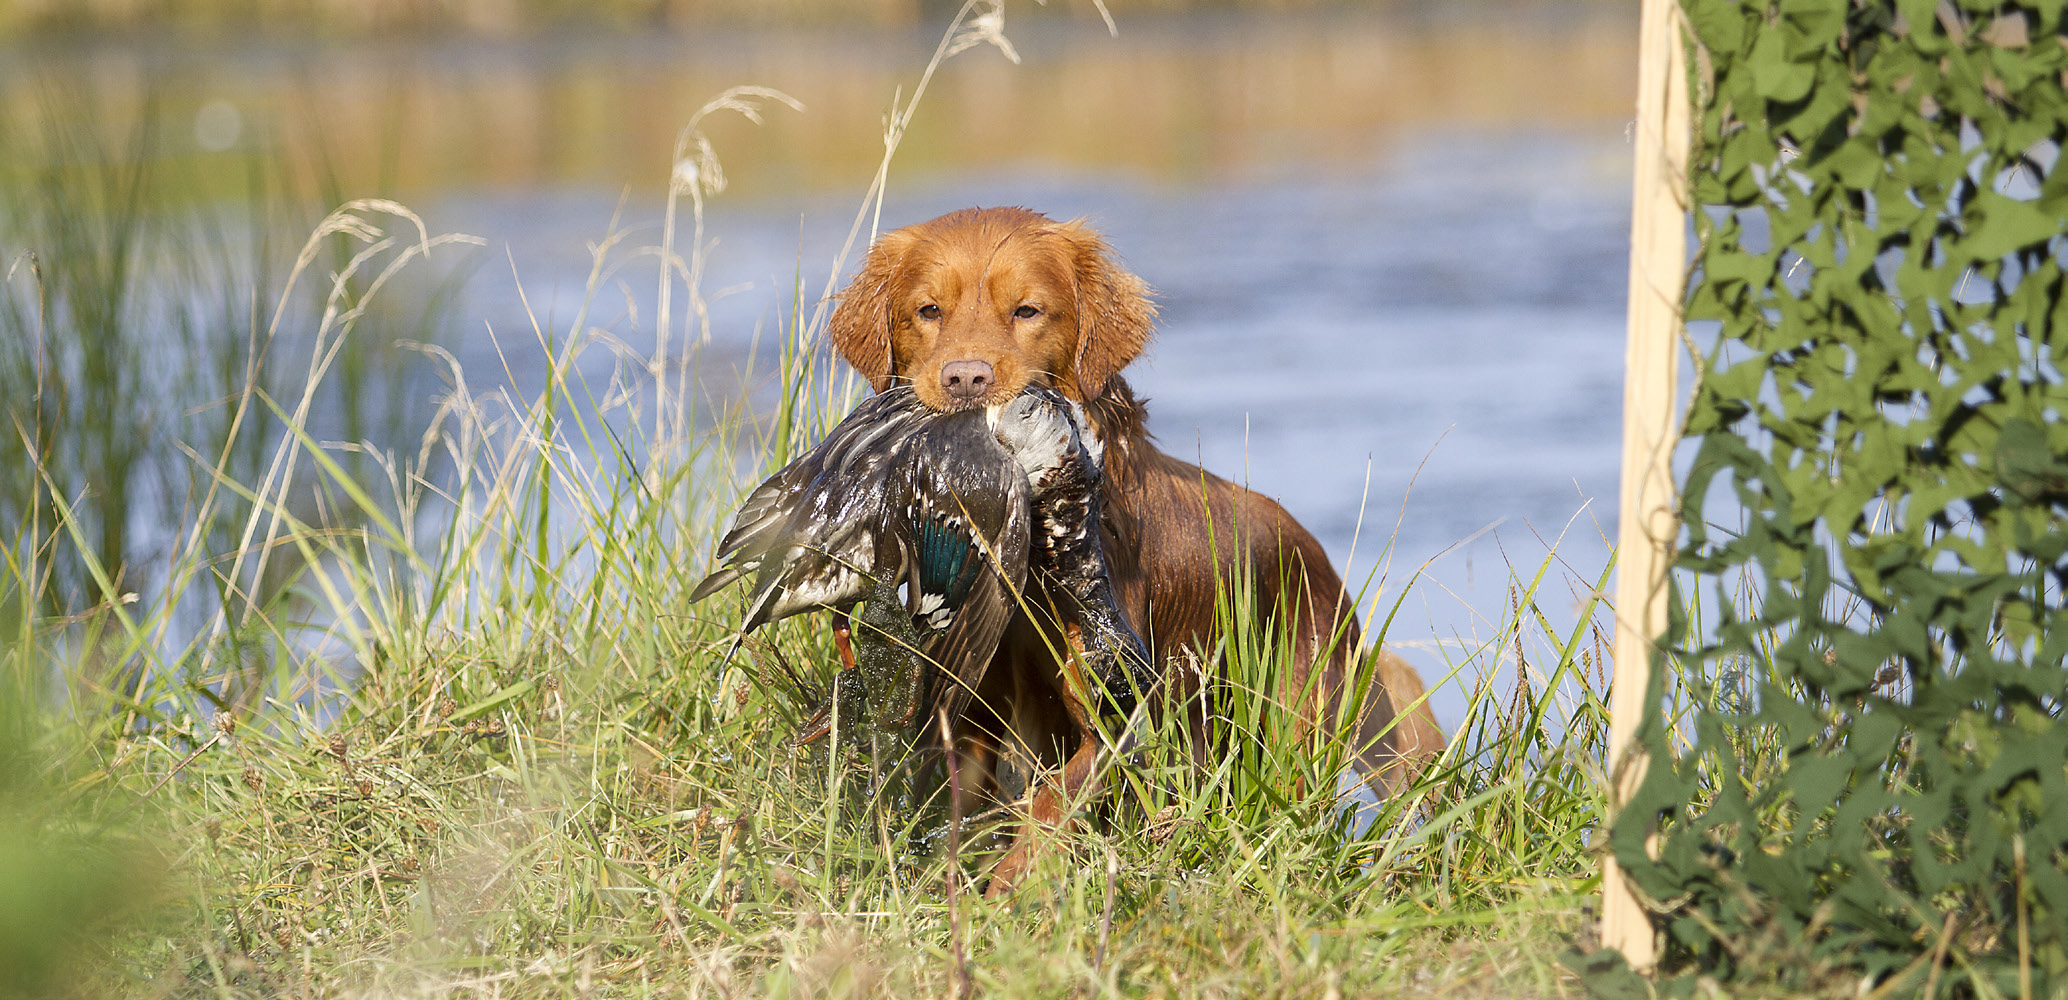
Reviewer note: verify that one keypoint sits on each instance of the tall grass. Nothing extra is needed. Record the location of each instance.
(472, 737)
(135, 342)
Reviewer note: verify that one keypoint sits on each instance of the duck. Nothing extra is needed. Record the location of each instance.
(948, 517)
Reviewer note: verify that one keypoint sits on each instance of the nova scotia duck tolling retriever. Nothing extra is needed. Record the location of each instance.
(970, 308)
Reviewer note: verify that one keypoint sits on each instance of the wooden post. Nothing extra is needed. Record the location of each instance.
(1647, 525)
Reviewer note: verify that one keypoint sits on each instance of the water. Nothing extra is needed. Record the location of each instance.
(1390, 257)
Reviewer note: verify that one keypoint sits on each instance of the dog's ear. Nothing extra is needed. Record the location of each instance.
(1114, 314)
(860, 326)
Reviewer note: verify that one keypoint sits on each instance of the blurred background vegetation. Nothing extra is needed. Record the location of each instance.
(408, 113)
(520, 17)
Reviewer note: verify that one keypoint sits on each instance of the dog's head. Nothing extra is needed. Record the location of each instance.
(976, 305)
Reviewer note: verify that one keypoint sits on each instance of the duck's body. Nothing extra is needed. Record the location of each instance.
(950, 507)
(1067, 559)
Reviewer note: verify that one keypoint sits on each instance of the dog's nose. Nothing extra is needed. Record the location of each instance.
(966, 381)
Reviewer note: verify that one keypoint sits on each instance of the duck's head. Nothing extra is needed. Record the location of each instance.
(1037, 427)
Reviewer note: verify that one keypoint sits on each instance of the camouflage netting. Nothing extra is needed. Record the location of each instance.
(1872, 787)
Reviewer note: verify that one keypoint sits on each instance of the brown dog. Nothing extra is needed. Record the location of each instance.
(972, 307)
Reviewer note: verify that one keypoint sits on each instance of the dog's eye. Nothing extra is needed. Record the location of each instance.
(1026, 312)
(929, 311)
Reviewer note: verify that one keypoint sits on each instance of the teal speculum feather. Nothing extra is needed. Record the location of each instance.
(947, 565)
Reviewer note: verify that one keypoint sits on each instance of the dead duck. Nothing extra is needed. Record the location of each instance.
(945, 514)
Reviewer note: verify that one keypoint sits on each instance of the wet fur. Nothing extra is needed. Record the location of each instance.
(1042, 301)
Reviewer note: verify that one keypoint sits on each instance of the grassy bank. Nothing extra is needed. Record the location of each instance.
(513, 778)
(437, 718)
(475, 739)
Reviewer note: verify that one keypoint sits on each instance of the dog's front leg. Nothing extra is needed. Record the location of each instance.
(1049, 808)
(1047, 813)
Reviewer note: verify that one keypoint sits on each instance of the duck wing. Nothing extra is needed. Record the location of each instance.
(971, 530)
(810, 535)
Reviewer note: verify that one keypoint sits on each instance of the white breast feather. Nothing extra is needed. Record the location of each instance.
(1088, 433)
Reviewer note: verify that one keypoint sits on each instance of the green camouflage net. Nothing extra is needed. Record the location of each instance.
(1870, 788)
